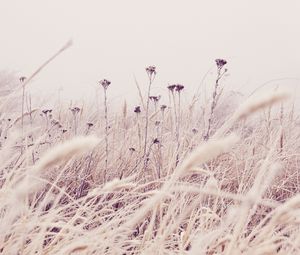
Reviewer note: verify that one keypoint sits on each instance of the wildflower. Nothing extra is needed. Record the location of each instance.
(105, 83)
(137, 109)
(171, 87)
(220, 63)
(179, 87)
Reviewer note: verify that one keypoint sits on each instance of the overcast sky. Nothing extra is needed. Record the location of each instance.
(118, 39)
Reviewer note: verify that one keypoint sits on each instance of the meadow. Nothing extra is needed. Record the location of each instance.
(175, 178)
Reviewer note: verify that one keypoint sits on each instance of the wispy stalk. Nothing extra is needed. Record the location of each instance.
(105, 84)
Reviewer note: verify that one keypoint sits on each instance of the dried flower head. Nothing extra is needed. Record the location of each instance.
(137, 109)
(54, 122)
(151, 70)
(163, 107)
(75, 110)
(46, 111)
(172, 87)
(179, 87)
(155, 141)
(22, 79)
(104, 83)
(195, 130)
(155, 98)
(220, 63)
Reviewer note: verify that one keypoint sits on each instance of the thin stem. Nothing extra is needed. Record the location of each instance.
(106, 134)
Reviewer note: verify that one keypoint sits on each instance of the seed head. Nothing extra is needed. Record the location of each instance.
(195, 130)
(156, 141)
(151, 70)
(220, 63)
(155, 99)
(104, 83)
(172, 87)
(75, 110)
(46, 111)
(22, 79)
(137, 109)
(54, 122)
(179, 87)
(163, 107)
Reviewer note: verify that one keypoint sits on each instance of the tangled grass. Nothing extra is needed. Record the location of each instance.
(75, 182)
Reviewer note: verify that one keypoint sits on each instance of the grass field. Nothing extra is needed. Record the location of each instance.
(176, 178)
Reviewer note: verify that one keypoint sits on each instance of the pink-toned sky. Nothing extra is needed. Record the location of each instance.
(117, 39)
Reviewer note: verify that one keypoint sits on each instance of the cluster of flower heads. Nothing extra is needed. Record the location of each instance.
(104, 83)
(220, 63)
(176, 87)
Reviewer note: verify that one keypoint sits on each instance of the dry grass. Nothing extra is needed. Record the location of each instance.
(236, 193)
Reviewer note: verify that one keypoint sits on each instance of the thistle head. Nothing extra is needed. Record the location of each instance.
(104, 83)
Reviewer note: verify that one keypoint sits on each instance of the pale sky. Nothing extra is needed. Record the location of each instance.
(118, 39)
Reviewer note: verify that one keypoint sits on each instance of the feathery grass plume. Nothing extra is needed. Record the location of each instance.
(259, 102)
(251, 106)
(59, 153)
